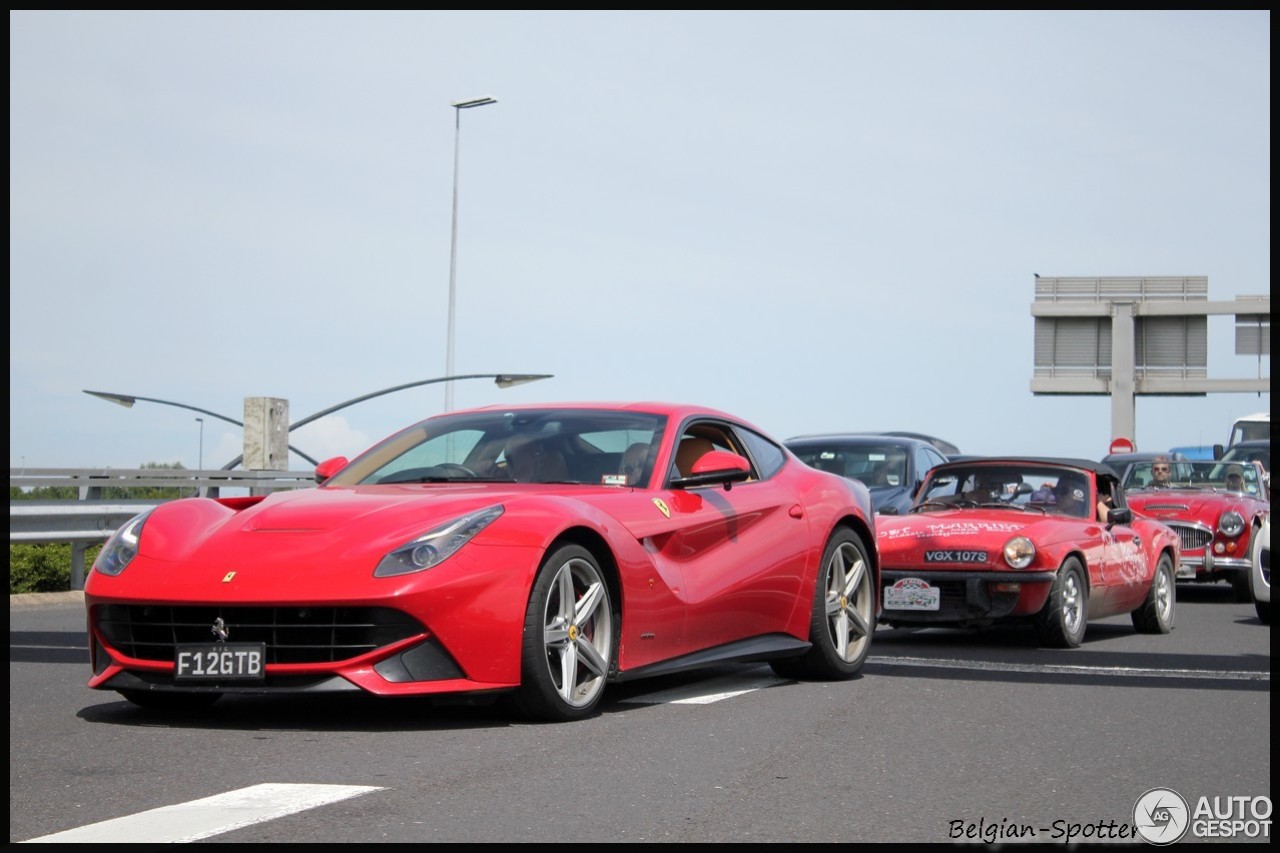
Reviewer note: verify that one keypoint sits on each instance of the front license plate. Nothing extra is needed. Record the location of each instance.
(955, 555)
(912, 594)
(220, 662)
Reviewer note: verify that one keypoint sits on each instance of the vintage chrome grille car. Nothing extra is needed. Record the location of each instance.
(1217, 507)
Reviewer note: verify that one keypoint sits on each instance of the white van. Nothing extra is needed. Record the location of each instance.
(1251, 427)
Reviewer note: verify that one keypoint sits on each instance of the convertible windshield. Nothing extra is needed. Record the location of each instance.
(524, 446)
(1064, 491)
(1193, 475)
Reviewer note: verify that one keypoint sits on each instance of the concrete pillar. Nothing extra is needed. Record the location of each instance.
(1123, 368)
(266, 434)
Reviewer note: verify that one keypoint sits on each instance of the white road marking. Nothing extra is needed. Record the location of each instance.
(726, 687)
(221, 813)
(1075, 669)
(211, 816)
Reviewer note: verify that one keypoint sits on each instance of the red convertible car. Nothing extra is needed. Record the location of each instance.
(1217, 509)
(1043, 540)
(537, 552)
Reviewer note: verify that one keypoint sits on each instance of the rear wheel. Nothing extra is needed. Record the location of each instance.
(843, 616)
(569, 638)
(1155, 616)
(1062, 621)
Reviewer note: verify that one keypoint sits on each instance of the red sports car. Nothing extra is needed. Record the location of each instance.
(1048, 541)
(1217, 508)
(537, 551)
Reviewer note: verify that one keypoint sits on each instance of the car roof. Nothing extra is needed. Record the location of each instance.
(941, 444)
(862, 438)
(676, 411)
(1099, 468)
(1143, 456)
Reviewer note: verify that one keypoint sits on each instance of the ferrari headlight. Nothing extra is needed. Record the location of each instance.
(1231, 523)
(1019, 552)
(122, 547)
(437, 545)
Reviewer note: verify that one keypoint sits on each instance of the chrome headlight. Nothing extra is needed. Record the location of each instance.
(1019, 552)
(435, 546)
(122, 547)
(1231, 523)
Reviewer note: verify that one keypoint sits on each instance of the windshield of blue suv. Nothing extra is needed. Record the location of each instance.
(874, 465)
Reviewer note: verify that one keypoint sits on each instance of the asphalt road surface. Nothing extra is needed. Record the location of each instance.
(947, 736)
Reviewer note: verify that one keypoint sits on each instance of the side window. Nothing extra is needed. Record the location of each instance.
(768, 457)
(1109, 490)
(925, 459)
(699, 438)
(943, 487)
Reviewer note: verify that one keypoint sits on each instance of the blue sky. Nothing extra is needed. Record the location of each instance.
(819, 221)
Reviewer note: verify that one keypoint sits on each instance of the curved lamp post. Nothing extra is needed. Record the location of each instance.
(127, 400)
(502, 380)
(458, 107)
(201, 456)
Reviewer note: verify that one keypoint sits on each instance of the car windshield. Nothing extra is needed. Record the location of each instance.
(874, 465)
(1193, 475)
(1249, 453)
(524, 445)
(1010, 485)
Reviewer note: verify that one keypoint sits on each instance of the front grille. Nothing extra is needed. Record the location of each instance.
(291, 634)
(1193, 536)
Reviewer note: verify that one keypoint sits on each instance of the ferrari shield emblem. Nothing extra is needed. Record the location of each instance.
(228, 576)
(658, 502)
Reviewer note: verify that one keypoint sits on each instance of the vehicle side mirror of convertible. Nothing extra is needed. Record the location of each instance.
(1120, 516)
(715, 466)
(329, 467)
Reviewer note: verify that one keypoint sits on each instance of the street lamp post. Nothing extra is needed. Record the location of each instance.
(458, 107)
(201, 456)
(127, 400)
(502, 380)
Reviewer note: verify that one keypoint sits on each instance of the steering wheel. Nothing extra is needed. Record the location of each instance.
(454, 467)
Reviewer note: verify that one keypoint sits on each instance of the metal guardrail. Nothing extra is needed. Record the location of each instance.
(70, 521)
(90, 519)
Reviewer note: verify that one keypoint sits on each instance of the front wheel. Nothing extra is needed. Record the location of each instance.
(569, 638)
(1259, 565)
(1155, 616)
(1061, 622)
(843, 616)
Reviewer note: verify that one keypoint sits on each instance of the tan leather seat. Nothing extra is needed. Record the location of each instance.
(691, 449)
(553, 467)
(530, 461)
